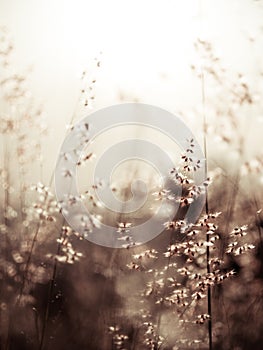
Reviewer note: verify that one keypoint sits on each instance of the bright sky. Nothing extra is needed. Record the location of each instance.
(147, 47)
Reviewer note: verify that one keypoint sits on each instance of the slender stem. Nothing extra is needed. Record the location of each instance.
(6, 223)
(165, 278)
(50, 293)
(209, 296)
(25, 275)
(260, 236)
(54, 273)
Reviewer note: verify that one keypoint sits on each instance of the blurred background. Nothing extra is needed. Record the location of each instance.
(60, 61)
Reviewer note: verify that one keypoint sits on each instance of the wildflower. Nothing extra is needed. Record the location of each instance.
(239, 231)
(66, 156)
(185, 201)
(163, 194)
(123, 227)
(67, 173)
(179, 178)
(202, 318)
(133, 266)
(151, 253)
(86, 157)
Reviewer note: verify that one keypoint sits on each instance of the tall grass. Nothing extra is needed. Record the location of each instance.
(194, 286)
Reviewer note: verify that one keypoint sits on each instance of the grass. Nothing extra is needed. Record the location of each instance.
(192, 287)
